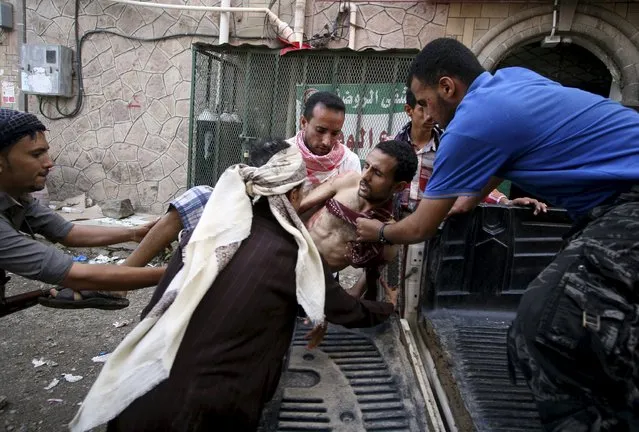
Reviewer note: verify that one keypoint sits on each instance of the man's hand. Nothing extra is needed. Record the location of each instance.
(141, 231)
(539, 207)
(391, 293)
(368, 229)
(316, 335)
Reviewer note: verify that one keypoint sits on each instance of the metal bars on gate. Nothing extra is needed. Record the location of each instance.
(240, 94)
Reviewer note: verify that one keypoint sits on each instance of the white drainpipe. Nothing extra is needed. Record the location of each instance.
(224, 23)
(283, 29)
(352, 26)
(300, 14)
(352, 8)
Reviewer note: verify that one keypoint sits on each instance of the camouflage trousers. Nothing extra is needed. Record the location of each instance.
(576, 335)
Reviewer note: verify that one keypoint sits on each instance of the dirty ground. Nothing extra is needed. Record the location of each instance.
(67, 341)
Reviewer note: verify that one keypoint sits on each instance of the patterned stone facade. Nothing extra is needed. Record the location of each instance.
(130, 139)
(9, 62)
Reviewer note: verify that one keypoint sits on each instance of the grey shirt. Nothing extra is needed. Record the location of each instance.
(22, 254)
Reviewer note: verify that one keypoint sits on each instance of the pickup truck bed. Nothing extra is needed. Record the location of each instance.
(473, 276)
(477, 376)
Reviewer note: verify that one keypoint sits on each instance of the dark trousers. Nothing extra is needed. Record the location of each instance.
(576, 334)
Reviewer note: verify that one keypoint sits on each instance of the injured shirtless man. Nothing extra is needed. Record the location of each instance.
(389, 167)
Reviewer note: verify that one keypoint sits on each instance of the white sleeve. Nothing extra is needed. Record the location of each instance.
(351, 163)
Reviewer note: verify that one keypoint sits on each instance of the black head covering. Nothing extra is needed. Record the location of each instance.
(16, 124)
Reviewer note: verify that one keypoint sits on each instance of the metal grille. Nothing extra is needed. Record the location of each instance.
(501, 405)
(214, 116)
(303, 414)
(378, 397)
(240, 94)
(476, 341)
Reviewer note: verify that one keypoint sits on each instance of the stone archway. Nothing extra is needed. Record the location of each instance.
(569, 64)
(603, 33)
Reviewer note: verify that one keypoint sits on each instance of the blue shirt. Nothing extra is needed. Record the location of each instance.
(570, 147)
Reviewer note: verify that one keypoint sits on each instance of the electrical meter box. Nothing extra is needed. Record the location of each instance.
(47, 70)
(6, 15)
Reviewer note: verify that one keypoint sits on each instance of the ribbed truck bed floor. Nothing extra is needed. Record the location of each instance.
(357, 380)
(469, 348)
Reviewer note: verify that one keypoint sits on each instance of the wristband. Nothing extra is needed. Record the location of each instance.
(382, 239)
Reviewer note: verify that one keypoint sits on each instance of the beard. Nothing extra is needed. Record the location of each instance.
(37, 188)
(373, 197)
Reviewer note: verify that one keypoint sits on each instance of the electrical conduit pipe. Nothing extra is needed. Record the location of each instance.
(283, 29)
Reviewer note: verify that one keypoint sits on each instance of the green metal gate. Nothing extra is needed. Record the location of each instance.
(240, 94)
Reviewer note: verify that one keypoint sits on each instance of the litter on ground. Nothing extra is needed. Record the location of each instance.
(71, 378)
(52, 384)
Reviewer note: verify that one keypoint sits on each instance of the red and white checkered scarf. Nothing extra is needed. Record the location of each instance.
(320, 168)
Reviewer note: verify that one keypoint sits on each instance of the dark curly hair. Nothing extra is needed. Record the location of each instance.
(405, 157)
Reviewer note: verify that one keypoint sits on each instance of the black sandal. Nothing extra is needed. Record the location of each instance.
(90, 300)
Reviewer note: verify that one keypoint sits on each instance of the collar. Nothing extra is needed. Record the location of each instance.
(404, 133)
(482, 79)
(431, 145)
(7, 201)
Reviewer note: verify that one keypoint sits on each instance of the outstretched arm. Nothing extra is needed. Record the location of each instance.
(417, 227)
(327, 190)
(464, 204)
(163, 233)
(88, 235)
(109, 277)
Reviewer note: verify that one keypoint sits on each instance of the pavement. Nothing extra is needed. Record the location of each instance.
(40, 348)
(50, 357)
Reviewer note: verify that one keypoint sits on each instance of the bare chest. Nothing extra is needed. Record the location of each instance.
(331, 224)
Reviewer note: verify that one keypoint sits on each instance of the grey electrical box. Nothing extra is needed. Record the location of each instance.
(47, 70)
(6, 15)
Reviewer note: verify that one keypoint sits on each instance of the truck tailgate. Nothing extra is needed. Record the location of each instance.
(357, 380)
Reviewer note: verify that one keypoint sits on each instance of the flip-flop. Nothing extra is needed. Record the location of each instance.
(90, 299)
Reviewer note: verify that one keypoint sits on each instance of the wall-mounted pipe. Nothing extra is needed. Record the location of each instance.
(283, 29)
(352, 25)
(554, 18)
(298, 22)
(21, 27)
(225, 17)
(352, 22)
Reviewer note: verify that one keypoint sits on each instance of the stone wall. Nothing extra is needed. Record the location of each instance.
(386, 25)
(9, 66)
(130, 139)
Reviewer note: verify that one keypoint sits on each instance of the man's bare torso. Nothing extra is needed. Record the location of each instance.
(330, 234)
